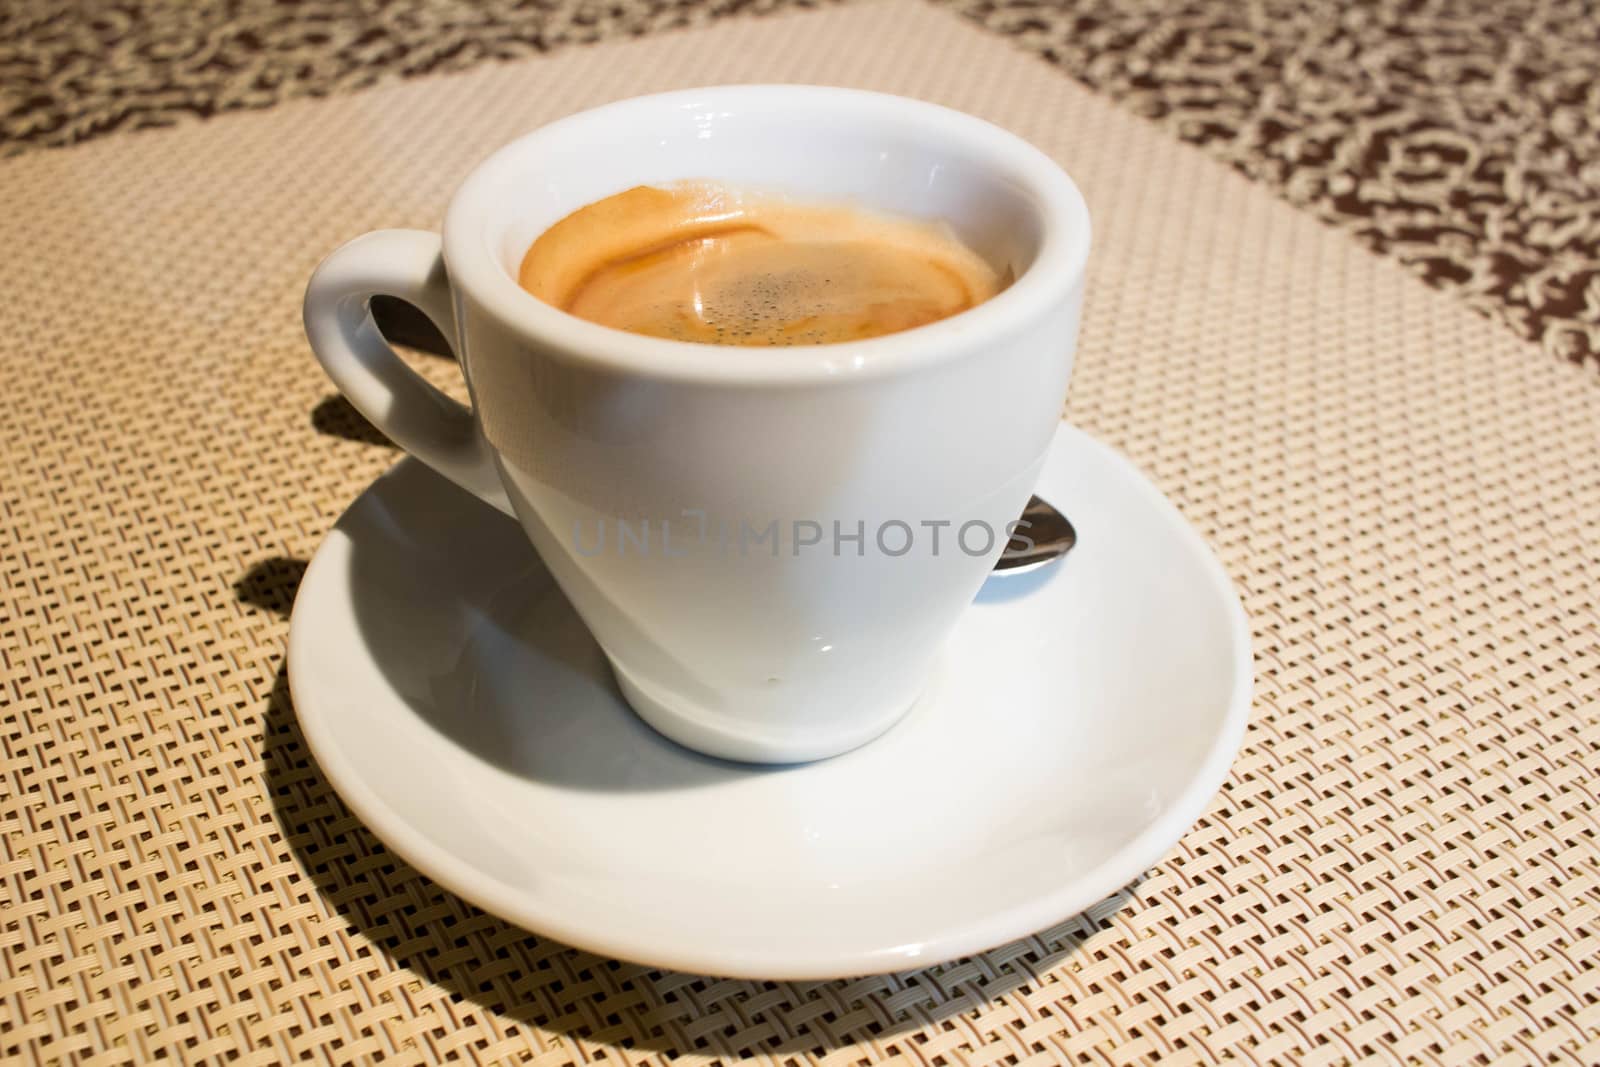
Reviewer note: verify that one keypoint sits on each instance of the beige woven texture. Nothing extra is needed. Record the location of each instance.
(1402, 865)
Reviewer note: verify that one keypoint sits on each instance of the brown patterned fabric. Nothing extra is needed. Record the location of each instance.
(74, 70)
(1461, 138)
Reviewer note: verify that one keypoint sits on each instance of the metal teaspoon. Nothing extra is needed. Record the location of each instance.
(1052, 536)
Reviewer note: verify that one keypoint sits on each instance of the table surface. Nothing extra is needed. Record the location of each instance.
(1342, 309)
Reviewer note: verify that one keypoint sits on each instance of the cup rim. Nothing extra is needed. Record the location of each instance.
(1056, 269)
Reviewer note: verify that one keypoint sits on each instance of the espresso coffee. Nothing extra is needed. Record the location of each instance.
(697, 261)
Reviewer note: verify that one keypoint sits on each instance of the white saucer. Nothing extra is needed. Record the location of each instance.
(1083, 718)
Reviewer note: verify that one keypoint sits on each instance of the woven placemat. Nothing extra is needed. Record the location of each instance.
(1403, 863)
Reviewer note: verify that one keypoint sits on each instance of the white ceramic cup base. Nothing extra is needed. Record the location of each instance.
(743, 741)
(1081, 719)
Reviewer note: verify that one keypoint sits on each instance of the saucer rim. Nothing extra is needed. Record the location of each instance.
(984, 931)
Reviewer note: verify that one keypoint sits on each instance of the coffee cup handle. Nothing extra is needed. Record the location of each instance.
(407, 265)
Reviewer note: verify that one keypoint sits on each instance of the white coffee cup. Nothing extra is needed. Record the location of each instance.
(699, 504)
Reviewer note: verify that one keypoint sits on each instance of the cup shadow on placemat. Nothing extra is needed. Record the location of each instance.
(427, 929)
(404, 325)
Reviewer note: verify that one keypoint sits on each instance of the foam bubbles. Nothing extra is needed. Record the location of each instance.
(759, 271)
